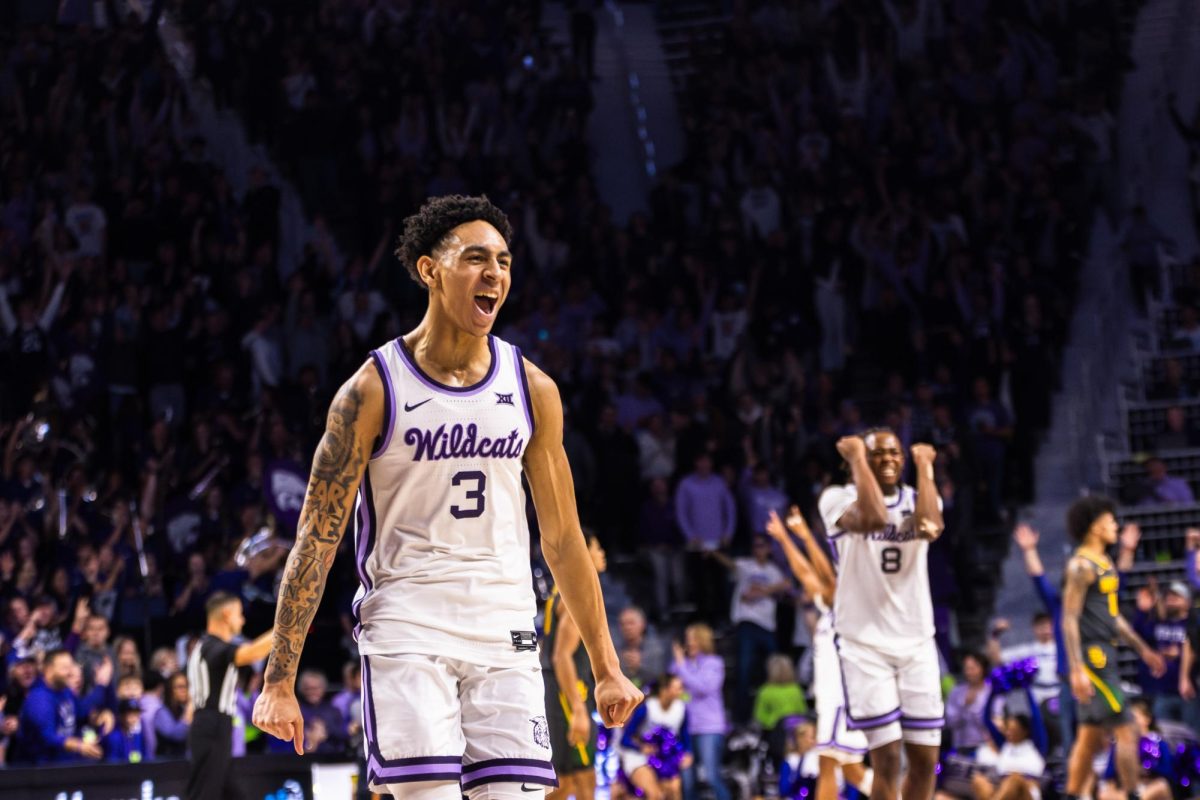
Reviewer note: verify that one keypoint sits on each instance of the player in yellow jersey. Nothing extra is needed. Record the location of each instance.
(1091, 625)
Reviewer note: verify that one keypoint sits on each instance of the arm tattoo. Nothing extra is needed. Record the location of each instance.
(1079, 577)
(1131, 637)
(336, 471)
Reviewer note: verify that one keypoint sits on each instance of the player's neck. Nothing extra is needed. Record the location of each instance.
(1094, 548)
(438, 343)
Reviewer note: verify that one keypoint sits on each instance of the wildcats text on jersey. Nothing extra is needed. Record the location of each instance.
(461, 442)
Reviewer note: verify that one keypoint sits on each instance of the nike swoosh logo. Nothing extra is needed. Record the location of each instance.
(525, 788)
(415, 406)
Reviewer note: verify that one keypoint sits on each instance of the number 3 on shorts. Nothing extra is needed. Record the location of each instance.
(475, 494)
(890, 559)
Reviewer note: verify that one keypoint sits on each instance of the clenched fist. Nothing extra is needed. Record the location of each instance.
(616, 698)
(852, 448)
(923, 455)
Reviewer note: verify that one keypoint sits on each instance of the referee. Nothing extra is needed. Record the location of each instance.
(212, 681)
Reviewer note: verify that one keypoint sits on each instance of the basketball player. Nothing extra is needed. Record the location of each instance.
(1091, 624)
(836, 745)
(568, 680)
(880, 531)
(434, 432)
(212, 672)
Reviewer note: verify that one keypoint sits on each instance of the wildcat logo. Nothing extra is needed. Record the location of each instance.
(504, 399)
(541, 732)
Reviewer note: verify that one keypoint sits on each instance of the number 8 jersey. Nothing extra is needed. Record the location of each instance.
(882, 599)
(440, 534)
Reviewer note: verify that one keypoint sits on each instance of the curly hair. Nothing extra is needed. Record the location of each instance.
(1084, 512)
(425, 230)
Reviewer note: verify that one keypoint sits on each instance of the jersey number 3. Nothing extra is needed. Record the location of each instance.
(476, 494)
(890, 559)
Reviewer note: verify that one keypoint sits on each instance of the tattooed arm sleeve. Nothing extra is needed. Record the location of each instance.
(1079, 576)
(355, 420)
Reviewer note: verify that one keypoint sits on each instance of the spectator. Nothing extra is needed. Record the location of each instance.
(760, 496)
(1173, 384)
(757, 584)
(991, 429)
(126, 742)
(128, 659)
(781, 696)
(325, 729)
(1187, 334)
(1164, 489)
(1177, 434)
(53, 715)
(642, 652)
(703, 674)
(799, 770)
(1164, 625)
(350, 696)
(174, 719)
(93, 648)
(660, 537)
(1015, 756)
(707, 515)
(1044, 648)
(966, 707)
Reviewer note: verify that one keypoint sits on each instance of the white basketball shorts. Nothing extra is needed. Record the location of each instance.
(893, 695)
(437, 719)
(834, 738)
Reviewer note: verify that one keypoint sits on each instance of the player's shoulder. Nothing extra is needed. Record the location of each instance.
(1081, 568)
(838, 491)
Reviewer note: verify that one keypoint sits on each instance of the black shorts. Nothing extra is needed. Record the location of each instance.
(1108, 707)
(567, 759)
(210, 742)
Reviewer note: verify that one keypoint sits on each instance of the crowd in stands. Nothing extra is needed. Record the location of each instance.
(878, 219)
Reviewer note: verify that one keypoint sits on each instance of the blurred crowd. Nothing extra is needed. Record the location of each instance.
(878, 220)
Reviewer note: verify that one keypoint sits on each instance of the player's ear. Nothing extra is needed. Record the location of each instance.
(427, 269)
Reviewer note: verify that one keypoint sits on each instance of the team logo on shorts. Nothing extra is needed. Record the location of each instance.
(1098, 657)
(541, 732)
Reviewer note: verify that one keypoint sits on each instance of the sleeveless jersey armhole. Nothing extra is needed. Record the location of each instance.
(523, 380)
(389, 405)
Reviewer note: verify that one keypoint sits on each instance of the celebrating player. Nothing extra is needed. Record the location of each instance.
(425, 447)
(880, 530)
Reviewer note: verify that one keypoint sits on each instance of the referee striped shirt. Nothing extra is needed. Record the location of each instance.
(212, 676)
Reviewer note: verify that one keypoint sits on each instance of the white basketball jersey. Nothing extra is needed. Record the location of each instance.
(441, 538)
(882, 599)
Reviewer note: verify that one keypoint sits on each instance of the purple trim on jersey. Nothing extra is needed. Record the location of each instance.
(834, 743)
(408, 770)
(523, 379)
(872, 722)
(368, 707)
(364, 540)
(899, 499)
(833, 549)
(509, 770)
(389, 403)
(399, 770)
(868, 723)
(458, 391)
(918, 724)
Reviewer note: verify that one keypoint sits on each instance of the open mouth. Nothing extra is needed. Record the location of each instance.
(486, 302)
